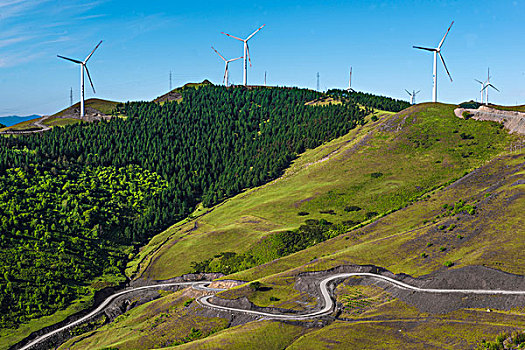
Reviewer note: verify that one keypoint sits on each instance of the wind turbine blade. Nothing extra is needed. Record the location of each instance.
(89, 77)
(424, 48)
(482, 83)
(224, 59)
(248, 52)
(89, 56)
(444, 65)
(408, 92)
(484, 87)
(235, 59)
(443, 40)
(248, 38)
(231, 36)
(70, 59)
(418, 91)
(492, 86)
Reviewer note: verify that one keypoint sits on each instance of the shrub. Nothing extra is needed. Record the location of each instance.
(255, 286)
(460, 236)
(448, 263)
(451, 227)
(430, 244)
(466, 115)
(424, 255)
(349, 208)
(442, 249)
(350, 223)
(188, 302)
(376, 175)
(303, 213)
(329, 211)
(374, 118)
(465, 136)
(274, 299)
(441, 227)
(369, 215)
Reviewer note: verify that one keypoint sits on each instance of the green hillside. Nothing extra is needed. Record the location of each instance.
(447, 194)
(376, 168)
(104, 106)
(80, 200)
(67, 116)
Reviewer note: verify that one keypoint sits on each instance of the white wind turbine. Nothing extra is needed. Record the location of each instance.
(350, 82)
(482, 88)
(413, 96)
(437, 51)
(82, 66)
(225, 79)
(486, 87)
(246, 53)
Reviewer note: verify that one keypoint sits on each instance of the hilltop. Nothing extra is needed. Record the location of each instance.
(176, 94)
(96, 110)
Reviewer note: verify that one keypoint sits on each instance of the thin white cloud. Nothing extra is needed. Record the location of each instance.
(11, 41)
(30, 25)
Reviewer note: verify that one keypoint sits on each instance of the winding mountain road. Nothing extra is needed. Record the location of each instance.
(323, 286)
(201, 285)
(329, 303)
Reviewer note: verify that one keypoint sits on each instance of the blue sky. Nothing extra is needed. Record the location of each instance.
(143, 41)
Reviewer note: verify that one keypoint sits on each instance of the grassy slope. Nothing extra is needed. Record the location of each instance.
(510, 108)
(488, 237)
(104, 106)
(414, 150)
(152, 325)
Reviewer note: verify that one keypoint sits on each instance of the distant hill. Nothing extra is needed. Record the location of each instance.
(175, 94)
(15, 119)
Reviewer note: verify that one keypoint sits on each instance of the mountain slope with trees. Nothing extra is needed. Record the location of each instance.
(88, 195)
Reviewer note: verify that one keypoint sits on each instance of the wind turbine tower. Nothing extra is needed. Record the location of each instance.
(246, 55)
(482, 89)
(71, 96)
(350, 80)
(227, 62)
(170, 81)
(486, 87)
(318, 88)
(437, 52)
(412, 96)
(83, 65)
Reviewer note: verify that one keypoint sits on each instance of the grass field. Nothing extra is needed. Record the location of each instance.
(105, 106)
(510, 108)
(61, 121)
(379, 167)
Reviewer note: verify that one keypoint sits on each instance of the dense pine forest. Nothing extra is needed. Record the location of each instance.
(77, 201)
(371, 101)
